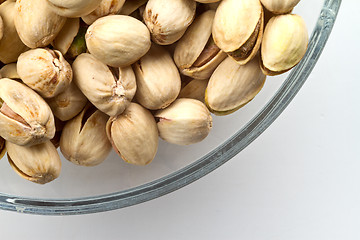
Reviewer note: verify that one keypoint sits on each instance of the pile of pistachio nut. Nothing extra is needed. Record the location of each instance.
(90, 76)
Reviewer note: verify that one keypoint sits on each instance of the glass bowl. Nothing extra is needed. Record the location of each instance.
(115, 184)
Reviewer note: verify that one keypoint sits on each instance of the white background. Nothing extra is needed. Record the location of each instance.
(298, 180)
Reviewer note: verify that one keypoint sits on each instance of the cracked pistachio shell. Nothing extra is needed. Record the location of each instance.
(186, 121)
(110, 90)
(40, 29)
(232, 86)
(134, 135)
(2, 147)
(66, 36)
(131, 6)
(118, 40)
(279, 6)
(106, 7)
(238, 27)
(284, 45)
(195, 89)
(83, 140)
(9, 71)
(158, 79)
(11, 45)
(44, 70)
(196, 54)
(68, 104)
(73, 8)
(168, 20)
(25, 118)
(39, 164)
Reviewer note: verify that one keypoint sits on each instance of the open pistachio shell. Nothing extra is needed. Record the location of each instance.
(25, 118)
(73, 8)
(232, 86)
(134, 135)
(186, 121)
(9, 71)
(284, 44)
(40, 29)
(45, 70)
(40, 163)
(168, 20)
(66, 36)
(196, 54)
(118, 40)
(106, 7)
(83, 140)
(11, 45)
(110, 90)
(238, 27)
(279, 6)
(68, 104)
(158, 79)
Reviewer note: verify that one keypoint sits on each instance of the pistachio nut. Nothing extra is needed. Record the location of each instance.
(106, 7)
(232, 86)
(73, 8)
(168, 20)
(9, 71)
(110, 90)
(279, 6)
(45, 70)
(186, 121)
(66, 36)
(134, 135)
(158, 79)
(131, 6)
(284, 44)
(196, 54)
(195, 89)
(238, 27)
(2, 147)
(11, 45)
(40, 163)
(118, 40)
(25, 118)
(83, 140)
(68, 104)
(78, 46)
(40, 29)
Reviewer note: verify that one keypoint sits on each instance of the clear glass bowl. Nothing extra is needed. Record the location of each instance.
(115, 184)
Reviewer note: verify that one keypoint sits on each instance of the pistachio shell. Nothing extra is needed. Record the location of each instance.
(109, 91)
(168, 20)
(9, 71)
(68, 104)
(131, 6)
(158, 79)
(106, 7)
(232, 86)
(2, 147)
(1, 28)
(134, 135)
(195, 89)
(11, 45)
(83, 140)
(118, 40)
(44, 70)
(207, 1)
(186, 121)
(73, 8)
(40, 29)
(196, 55)
(284, 44)
(25, 118)
(66, 36)
(40, 163)
(238, 27)
(279, 6)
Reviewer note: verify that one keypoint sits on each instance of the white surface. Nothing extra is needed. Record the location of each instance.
(298, 180)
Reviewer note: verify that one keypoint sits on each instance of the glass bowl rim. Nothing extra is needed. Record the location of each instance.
(205, 164)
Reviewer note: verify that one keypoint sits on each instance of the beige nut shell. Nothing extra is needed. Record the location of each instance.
(73, 8)
(279, 6)
(106, 7)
